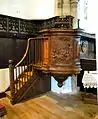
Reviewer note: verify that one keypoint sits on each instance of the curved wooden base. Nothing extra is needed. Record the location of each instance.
(60, 78)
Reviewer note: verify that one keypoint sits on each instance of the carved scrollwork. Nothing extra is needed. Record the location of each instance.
(17, 25)
(23, 26)
(13, 25)
(58, 22)
(3, 23)
(27, 26)
(62, 51)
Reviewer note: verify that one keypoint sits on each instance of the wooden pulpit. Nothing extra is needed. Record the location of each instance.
(58, 51)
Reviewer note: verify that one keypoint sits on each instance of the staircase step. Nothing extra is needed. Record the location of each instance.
(28, 73)
(24, 77)
(19, 82)
(8, 94)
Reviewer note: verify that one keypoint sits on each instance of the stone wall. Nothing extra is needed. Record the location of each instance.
(67, 7)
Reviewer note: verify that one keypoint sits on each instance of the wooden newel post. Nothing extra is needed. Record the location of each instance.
(11, 75)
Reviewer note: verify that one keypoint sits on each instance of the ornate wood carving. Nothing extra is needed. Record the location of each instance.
(3, 24)
(58, 23)
(61, 53)
(17, 25)
(13, 25)
(62, 50)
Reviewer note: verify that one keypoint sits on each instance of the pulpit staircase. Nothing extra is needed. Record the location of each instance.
(25, 81)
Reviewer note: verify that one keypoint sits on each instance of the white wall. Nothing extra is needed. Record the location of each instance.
(43, 9)
(28, 9)
(81, 13)
(4, 79)
(66, 88)
(11, 8)
(92, 15)
(89, 24)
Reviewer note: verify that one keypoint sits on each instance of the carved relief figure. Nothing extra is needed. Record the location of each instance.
(62, 51)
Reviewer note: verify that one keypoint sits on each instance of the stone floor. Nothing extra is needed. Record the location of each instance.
(75, 107)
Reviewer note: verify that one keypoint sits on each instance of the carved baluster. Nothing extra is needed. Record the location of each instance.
(19, 76)
(27, 63)
(16, 85)
(22, 78)
(24, 68)
(29, 56)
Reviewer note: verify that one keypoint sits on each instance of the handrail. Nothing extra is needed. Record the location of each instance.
(27, 50)
(24, 54)
(20, 75)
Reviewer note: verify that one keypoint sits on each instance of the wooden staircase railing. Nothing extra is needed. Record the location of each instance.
(23, 76)
(21, 72)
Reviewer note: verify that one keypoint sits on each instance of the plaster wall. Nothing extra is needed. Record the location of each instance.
(28, 9)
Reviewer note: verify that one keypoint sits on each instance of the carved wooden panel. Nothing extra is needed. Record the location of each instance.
(62, 50)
